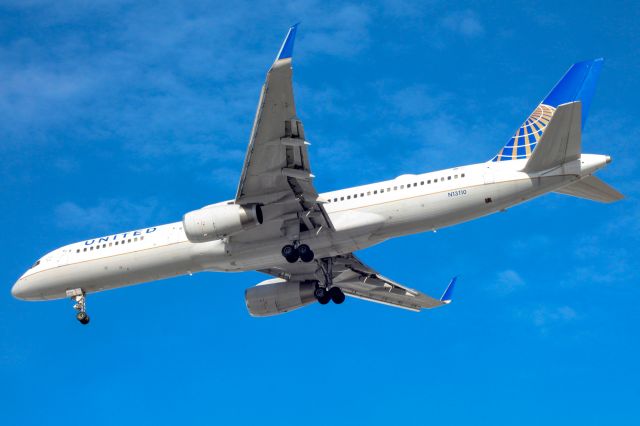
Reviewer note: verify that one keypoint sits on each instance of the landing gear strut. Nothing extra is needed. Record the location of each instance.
(325, 291)
(293, 252)
(80, 299)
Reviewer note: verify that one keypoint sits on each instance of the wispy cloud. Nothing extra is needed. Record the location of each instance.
(546, 318)
(107, 215)
(465, 23)
(343, 30)
(507, 282)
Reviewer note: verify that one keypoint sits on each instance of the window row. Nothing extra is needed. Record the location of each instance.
(394, 188)
(105, 245)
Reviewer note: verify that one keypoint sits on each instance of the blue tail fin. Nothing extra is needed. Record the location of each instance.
(578, 84)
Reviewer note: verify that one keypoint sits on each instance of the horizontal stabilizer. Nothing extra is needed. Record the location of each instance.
(560, 142)
(592, 188)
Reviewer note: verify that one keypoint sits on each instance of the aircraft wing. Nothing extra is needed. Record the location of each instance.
(358, 280)
(276, 172)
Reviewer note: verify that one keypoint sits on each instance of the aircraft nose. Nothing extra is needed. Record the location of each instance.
(19, 290)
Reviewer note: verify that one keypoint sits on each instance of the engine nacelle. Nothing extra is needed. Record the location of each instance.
(219, 221)
(277, 296)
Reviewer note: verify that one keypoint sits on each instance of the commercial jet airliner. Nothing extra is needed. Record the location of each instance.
(280, 225)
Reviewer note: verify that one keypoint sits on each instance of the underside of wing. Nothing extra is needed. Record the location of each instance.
(276, 172)
(356, 279)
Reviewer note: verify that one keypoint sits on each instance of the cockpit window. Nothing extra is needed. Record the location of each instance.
(36, 264)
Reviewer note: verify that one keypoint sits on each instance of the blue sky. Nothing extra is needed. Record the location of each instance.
(116, 115)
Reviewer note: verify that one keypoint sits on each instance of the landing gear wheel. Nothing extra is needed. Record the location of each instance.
(322, 295)
(306, 254)
(336, 295)
(83, 318)
(290, 253)
(80, 306)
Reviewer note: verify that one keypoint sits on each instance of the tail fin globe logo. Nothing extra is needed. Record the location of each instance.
(578, 84)
(522, 144)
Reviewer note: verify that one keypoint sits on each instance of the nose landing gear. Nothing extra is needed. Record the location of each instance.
(79, 297)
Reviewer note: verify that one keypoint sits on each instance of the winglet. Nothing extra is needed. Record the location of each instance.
(446, 296)
(286, 50)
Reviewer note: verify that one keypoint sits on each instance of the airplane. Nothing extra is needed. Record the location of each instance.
(279, 224)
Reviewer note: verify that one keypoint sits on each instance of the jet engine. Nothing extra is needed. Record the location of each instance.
(277, 296)
(220, 220)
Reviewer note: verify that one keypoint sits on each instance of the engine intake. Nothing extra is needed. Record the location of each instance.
(219, 221)
(277, 296)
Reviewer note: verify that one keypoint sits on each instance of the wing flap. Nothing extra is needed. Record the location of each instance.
(360, 281)
(388, 294)
(276, 170)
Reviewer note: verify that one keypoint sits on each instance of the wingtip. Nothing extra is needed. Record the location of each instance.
(448, 293)
(286, 50)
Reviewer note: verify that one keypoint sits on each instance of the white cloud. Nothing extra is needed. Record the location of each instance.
(466, 23)
(107, 216)
(507, 282)
(341, 30)
(545, 316)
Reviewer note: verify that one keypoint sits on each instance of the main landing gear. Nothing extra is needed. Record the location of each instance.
(293, 252)
(333, 294)
(325, 291)
(80, 299)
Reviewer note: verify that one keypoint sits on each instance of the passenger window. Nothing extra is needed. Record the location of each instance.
(401, 186)
(368, 192)
(116, 242)
(441, 179)
(375, 192)
(448, 177)
(85, 249)
(382, 190)
(395, 188)
(355, 195)
(129, 240)
(341, 198)
(142, 238)
(462, 175)
(78, 251)
(362, 194)
(91, 248)
(455, 176)
(422, 183)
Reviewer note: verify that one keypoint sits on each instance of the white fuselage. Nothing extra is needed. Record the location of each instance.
(362, 216)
